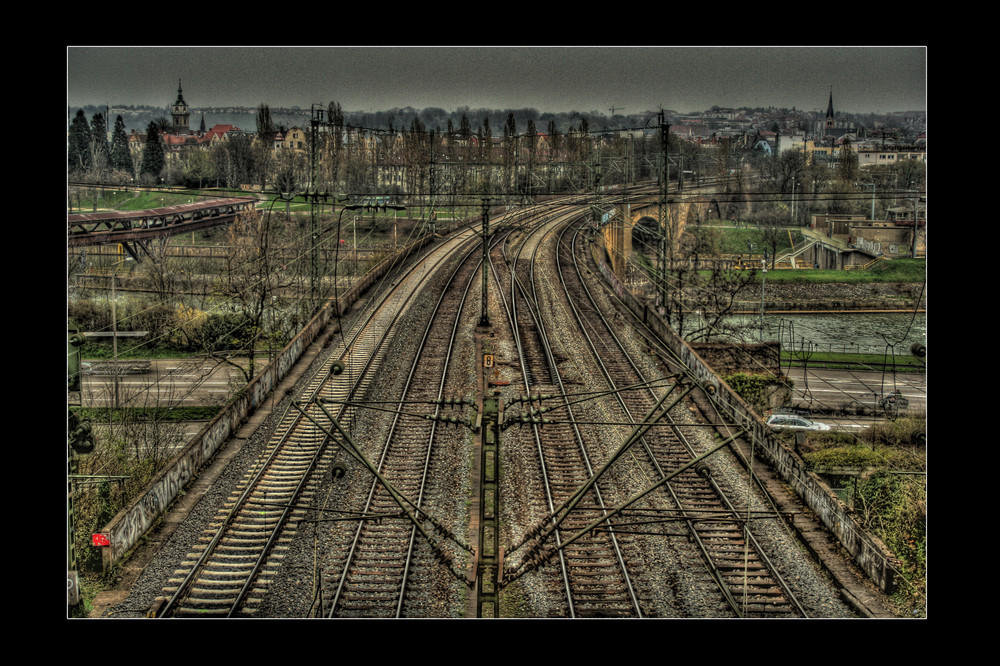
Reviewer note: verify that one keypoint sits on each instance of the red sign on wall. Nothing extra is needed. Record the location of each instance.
(100, 539)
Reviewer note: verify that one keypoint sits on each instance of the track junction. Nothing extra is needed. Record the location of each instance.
(616, 496)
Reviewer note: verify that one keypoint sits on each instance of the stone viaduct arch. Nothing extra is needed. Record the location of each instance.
(622, 221)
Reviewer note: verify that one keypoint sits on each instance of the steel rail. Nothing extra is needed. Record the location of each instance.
(510, 306)
(793, 600)
(385, 449)
(579, 437)
(316, 384)
(545, 228)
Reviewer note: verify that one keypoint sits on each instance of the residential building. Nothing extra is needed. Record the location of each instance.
(890, 156)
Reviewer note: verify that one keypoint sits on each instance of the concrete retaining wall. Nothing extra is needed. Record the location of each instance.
(865, 549)
(126, 528)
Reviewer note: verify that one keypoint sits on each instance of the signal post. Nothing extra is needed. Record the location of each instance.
(489, 554)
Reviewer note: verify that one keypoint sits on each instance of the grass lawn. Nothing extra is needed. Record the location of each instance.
(892, 270)
(733, 240)
(901, 363)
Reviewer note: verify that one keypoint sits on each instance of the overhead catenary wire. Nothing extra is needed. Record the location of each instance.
(247, 266)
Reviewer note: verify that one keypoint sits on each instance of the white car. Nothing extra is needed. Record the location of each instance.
(793, 422)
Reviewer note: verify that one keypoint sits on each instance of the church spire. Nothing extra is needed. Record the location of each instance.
(180, 113)
(829, 110)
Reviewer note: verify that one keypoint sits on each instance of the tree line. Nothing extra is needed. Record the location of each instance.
(463, 152)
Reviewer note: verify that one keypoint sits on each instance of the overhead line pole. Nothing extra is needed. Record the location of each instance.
(664, 216)
(484, 315)
(316, 120)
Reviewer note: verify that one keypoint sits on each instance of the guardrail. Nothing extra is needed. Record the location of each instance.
(864, 267)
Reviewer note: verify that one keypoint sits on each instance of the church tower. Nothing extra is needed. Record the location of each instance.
(180, 113)
(829, 112)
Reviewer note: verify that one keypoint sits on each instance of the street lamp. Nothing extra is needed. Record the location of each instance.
(340, 218)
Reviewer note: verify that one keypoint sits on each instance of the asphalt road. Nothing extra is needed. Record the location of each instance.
(830, 389)
(191, 382)
(170, 382)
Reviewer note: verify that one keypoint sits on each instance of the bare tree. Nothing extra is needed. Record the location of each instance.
(703, 290)
(771, 227)
(252, 280)
(132, 444)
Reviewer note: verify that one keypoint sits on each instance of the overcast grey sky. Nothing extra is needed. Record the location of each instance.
(564, 78)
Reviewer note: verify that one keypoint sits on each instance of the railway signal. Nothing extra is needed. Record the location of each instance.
(75, 341)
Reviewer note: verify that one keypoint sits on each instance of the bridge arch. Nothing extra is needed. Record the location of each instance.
(638, 223)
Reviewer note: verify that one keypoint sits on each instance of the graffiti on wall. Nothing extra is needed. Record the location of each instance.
(143, 514)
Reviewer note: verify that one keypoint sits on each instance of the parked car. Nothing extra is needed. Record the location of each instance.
(794, 422)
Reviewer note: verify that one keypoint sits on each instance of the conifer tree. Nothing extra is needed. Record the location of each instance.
(121, 160)
(79, 142)
(101, 154)
(152, 153)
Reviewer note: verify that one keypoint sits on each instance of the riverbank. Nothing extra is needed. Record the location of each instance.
(785, 297)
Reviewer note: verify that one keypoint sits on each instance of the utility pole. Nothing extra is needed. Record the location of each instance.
(793, 202)
(433, 216)
(763, 282)
(873, 186)
(664, 217)
(316, 121)
(489, 564)
(484, 315)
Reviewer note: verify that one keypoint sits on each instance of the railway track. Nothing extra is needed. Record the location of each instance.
(373, 579)
(598, 475)
(749, 583)
(593, 576)
(228, 572)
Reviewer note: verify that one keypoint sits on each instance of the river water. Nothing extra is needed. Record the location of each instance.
(866, 333)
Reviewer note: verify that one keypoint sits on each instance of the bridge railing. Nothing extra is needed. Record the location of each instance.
(113, 226)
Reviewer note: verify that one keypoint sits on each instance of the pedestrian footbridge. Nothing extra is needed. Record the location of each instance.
(134, 229)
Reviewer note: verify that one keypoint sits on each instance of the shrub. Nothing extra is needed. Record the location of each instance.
(845, 456)
(188, 324)
(88, 315)
(226, 330)
(909, 431)
(754, 389)
(894, 507)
